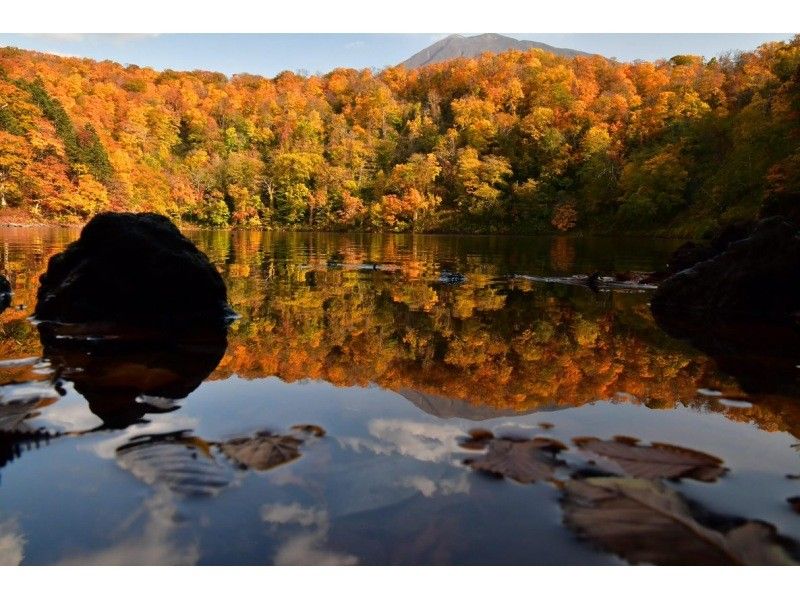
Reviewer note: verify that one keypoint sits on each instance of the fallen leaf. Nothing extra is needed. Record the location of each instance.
(182, 463)
(262, 451)
(657, 460)
(312, 429)
(644, 521)
(14, 413)
(794, 502)
(478, 439)
(525, 461)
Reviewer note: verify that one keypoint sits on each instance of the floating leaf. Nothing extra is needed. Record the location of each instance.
(644, 521)
(178, 461)
(525, 461)
(262, 451)
(478, 439)
(15, 412)
(794, 502)
(311, 429)
(657, 460)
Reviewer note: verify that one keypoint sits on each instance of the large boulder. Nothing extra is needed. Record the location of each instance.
(134, 270)
(757, 276)
(5, 293)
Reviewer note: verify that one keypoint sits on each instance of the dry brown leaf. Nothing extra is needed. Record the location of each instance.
(657, 460)
(178, 461)
(262, 451)
(525, 461)
(794, 502)
(644, 521)
(311, 429)
(478, 439)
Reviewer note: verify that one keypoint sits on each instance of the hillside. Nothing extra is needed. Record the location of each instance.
(511, 142)
(459, 46)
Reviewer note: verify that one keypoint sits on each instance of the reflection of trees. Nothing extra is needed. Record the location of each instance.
(313, 306)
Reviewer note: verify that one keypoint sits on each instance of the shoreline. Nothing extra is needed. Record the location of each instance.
(575, 234)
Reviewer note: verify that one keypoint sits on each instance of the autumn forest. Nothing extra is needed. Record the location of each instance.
(514, 142)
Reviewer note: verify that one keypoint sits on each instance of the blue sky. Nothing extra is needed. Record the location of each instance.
(268, 54)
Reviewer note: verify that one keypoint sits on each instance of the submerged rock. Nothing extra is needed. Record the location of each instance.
(755, 276)
(132, 269)
(5, 293)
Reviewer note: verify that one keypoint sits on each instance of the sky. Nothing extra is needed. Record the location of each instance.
(269, 54)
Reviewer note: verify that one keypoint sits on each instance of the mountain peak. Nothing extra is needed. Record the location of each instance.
(457, 45)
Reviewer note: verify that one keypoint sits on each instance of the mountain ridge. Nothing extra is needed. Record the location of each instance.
(460, 46)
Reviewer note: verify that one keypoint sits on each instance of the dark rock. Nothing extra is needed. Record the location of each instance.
(132, 269)
(691, 253)
(753, 277)
(5, 293)
(785, 203)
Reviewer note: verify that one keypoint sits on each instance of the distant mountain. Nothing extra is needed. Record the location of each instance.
(456, 46)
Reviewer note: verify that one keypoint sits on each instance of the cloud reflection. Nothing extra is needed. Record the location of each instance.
(307, 547)
(12, 544)
(156, 545)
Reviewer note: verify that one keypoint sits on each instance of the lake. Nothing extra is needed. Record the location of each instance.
(332, 426)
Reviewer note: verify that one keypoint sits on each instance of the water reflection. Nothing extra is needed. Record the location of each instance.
(396, 345)
(125, 379)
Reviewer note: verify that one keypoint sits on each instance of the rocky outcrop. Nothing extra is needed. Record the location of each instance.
(754, 276)
(136, 270)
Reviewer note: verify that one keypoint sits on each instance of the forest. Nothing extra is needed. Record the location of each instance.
(518, 142)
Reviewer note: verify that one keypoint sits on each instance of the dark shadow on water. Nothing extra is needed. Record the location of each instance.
(124, 379)
(762, 356)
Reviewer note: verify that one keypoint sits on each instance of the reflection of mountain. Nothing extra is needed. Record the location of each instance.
(447, 408)
(491, 344)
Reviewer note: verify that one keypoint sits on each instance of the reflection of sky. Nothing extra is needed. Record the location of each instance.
(148, 538)
(381, 457)
(12, 543)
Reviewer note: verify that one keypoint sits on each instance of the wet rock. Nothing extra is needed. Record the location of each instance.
(5, 293)
(132, 269)
(754, 277)
(691, 253)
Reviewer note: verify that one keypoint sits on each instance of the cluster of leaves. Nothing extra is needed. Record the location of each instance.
(522, 141)
(623, 505)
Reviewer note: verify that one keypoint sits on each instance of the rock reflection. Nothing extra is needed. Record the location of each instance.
(124, 379)
(762, 356)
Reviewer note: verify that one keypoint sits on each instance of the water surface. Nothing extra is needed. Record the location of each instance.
(396, 346)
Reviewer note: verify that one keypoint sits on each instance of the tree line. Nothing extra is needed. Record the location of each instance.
(512, 142)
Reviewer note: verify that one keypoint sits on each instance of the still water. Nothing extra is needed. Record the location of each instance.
(331, 427)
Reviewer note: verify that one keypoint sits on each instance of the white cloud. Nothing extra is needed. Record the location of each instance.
(354, 45)
(444, 487)
(12, 544)
(82, 37)
(422, 441)
(60, 54)
(293, 513)
(306, 548)
(156, 545)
